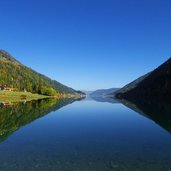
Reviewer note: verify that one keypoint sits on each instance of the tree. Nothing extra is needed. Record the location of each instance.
(48, 91)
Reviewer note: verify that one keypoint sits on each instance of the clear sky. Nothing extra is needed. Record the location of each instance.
(87, 44)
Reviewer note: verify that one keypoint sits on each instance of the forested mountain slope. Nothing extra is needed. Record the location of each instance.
(16, 75)
(156, 85)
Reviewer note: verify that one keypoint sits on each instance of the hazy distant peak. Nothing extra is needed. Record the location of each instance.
(104, 92)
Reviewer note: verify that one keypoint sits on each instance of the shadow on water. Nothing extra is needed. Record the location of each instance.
(158, 111)
(15, 116)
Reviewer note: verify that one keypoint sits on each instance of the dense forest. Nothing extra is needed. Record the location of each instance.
(19, 77)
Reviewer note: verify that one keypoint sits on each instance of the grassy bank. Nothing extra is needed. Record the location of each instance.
(10, 96)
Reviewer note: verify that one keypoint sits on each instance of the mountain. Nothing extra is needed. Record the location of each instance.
(131, 85)
(155, 85)
(20, 77)
(103, 92)
(87, 92)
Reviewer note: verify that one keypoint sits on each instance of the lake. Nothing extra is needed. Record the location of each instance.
(85, 135)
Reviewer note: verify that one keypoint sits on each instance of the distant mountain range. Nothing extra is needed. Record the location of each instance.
(104, 99)
(20, 77)
(103, 92)
(154, 85)
(87, 92)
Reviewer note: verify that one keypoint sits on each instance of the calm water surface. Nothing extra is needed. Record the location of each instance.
(84, 135)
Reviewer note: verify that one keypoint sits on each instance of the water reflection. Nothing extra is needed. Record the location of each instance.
(14, 116)
(159, 112)
(87, 135)
(104, 99)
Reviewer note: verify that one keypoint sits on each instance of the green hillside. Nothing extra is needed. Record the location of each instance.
(20, 77)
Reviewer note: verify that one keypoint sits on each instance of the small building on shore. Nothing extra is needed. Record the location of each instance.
(5, 87)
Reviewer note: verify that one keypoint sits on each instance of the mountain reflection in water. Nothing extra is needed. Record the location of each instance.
(159, 112)
(86, 135)
(12, 117)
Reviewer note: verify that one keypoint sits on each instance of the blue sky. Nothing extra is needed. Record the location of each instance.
(87, 44)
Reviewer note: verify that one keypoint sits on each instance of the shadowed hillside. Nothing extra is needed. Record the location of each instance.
(156, 85)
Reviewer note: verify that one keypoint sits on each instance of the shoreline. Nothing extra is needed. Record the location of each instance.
(12, 97)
